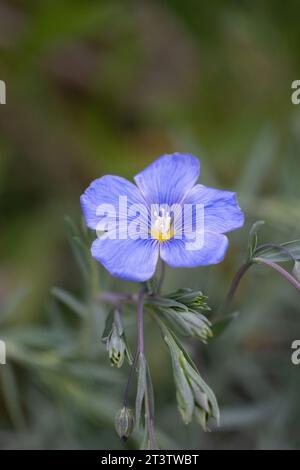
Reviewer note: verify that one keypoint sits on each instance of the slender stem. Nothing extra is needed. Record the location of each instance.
(130, 377)
(140, 321)
(235, 283)
(280, 270)
(141, 351)
(162, 275)
(149, 421)
(116, 297)
(112, 296)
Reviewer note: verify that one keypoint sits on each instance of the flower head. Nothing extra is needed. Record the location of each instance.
(165, 214)
(124, 422)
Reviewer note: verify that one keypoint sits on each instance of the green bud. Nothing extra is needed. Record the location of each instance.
(124, 422)
(196, 325)
(201, 417)
(116, 347)
(115, 339)
(189, 323)
(193, 300)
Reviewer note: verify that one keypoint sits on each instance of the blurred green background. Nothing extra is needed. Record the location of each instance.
(96, 87)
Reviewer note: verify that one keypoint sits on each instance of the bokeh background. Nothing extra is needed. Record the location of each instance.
(96, 87)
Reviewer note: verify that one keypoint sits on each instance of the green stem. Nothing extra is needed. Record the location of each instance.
(236, 280)
(280, 270)
(162, 276)
(129, 380)
(140, 321)
(149, 421)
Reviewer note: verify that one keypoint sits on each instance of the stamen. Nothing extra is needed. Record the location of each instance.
(162, 225)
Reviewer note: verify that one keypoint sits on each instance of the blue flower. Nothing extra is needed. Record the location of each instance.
(152, 212)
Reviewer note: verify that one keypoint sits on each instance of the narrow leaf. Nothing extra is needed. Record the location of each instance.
(69, 300)
(252, 241)
(141, 388)
(221, 325)
(278, 256)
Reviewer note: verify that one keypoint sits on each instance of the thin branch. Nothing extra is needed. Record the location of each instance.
(149, 422)
(280, 270)
(140, 321)
(116, 297)
(235, 283)
(162, 276)
(141, 351)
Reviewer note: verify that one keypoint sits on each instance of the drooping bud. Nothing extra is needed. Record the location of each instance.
(124, 422)
(116, 348)
(115, 340)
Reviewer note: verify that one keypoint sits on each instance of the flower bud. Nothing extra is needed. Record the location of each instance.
(116, 347)
(196, 325)
(194, 300)
(124, 422)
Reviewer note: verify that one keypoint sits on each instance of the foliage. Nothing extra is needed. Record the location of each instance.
(90, 90)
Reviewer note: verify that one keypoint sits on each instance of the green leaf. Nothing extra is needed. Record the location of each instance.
(273, 254)
(145, 443)
(164, 302)
(149, 391)
(11, 306)
(185, 399)
(69, 300)
(141, 388)
(258, 164)
(252, 241)
(11, 395)
(221, 325)
(118, 322)
(108, 325)
(187, 356)
(196, 377)
(128, 352)
(79, 248)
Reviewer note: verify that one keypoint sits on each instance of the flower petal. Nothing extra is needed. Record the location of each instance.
(131, 260)
(175, 253)
(169, 178)
(221, 210)
(107, 191)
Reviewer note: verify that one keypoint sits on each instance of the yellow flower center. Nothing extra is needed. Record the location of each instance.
(162, 229)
